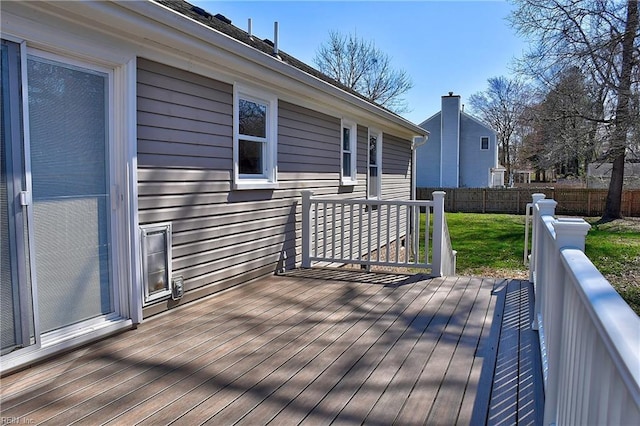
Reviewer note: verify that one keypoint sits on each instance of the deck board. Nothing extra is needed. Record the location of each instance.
(311, 347)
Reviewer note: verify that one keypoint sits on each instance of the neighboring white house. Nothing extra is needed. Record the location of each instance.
(462, 151)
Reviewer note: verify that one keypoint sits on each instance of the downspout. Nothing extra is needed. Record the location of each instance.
(417, 141)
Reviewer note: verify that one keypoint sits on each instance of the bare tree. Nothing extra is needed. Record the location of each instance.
(361, 66)
(564, 139)
(600, 37)
(502, 106)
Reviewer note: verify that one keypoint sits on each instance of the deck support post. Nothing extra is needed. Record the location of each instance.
(438, 233)
(306, 228)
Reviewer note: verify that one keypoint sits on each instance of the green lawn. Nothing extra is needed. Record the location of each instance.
(615, 250)
(491, 245)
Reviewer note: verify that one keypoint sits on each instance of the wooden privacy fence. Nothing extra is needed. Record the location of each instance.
(571, 201)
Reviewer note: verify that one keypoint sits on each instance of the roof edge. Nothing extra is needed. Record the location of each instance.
(187, 25)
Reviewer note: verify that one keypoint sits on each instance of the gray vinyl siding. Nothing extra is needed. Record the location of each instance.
(396, 168)
(223, 237)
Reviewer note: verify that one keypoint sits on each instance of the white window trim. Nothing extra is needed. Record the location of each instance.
(353, 144)
(268, 180)
(488, 143)
(378, 133)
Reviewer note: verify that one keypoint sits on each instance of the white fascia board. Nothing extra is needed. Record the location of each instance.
(152, 25)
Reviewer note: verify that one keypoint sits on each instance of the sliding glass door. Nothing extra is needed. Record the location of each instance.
(57, 272)
(68, 137)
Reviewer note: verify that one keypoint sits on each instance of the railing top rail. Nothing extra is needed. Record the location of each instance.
(617, 325)
(347, 201)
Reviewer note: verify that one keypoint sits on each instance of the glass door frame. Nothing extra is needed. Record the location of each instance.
(24, 322)
(47, 338)
(121, 143)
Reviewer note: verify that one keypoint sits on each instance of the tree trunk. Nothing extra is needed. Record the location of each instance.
(613, 206)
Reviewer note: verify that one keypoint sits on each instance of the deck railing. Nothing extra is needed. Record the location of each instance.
(589, 336)
(376, 233)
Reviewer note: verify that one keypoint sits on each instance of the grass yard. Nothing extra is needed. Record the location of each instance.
(615, 250)
(491, 245)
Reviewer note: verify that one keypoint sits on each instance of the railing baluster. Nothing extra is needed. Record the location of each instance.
(350, 231)
(369, 233)
(398, 233)
(315, 228)
(334, 231)
(388, 225)
(324, 230)
(342, 237)
(379, 233)
(360, 207)
(428, 231)
(416, 239)
(409, 232)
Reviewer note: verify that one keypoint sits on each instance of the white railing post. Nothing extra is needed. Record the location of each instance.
(569, 233)
(306, 228)
(542, 207)
(438, 232)
(529, 223)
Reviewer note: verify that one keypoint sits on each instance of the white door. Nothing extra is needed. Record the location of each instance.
(57, 264)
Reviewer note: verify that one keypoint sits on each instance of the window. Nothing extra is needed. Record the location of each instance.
(349, 171)
(484, 142)
(255, 126)
(374, 164)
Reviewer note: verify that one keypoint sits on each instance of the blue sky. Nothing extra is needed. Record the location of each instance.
(453, 45)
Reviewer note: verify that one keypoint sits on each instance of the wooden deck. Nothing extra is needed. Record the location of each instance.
(310, 347)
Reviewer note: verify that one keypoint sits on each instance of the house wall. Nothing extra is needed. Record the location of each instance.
(452, 157)
(428, 155)
(475, 163)
(223, 237)
(396, 168)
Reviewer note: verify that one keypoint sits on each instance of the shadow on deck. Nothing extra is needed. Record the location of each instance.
(309, 347)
